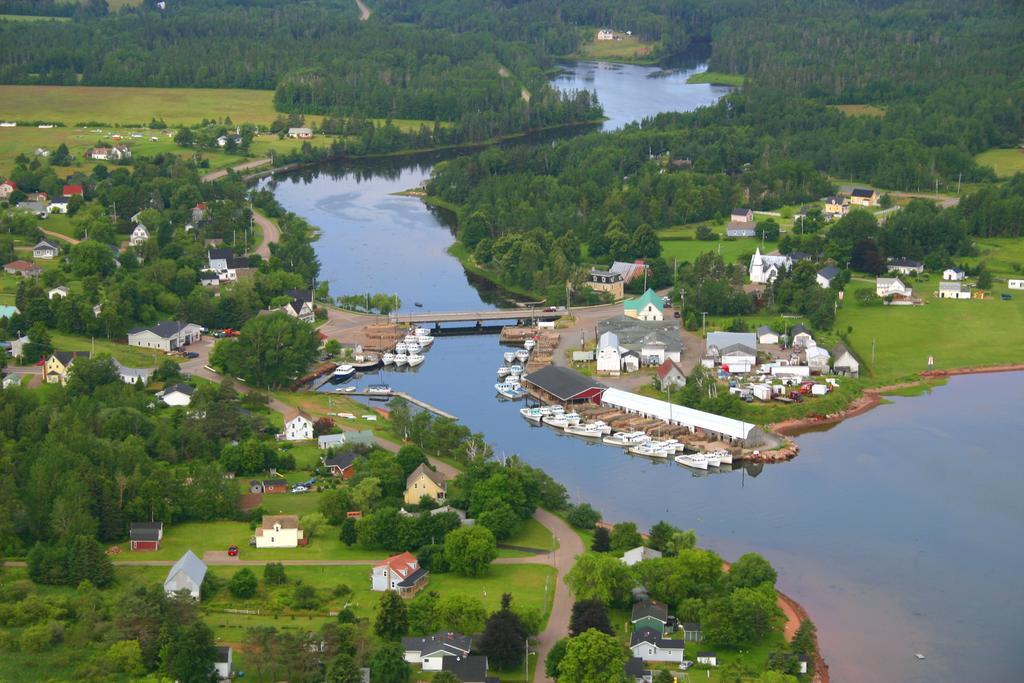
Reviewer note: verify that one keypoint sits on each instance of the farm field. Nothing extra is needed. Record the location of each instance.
(958, 334)
(1003, 256)
(717, 78)
(29, 17)
(629, 48)
(861, 110)
(1005, 162)
(689, 248)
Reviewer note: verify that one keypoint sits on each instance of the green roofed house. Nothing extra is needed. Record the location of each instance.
(649, 614)
(648, 307)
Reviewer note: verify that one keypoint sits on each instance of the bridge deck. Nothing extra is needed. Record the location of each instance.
(477, 316)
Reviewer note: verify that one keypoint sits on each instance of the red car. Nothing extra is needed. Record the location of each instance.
(233, 551)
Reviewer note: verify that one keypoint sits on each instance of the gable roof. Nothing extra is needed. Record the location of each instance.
(667, 367)
(220, 253)
(798, 329)
(68, 357)
(649, 635)
(186, 389)
(46, 244)
(286, 521)
(341, 460)
(223, 655)
(165, 329)
(608, 339)
(562, 383)
(765, 329)
(634, 667)
(21, 265)
(862, 192)
(73, 189)
(740, 348)
(145, 531)
(723, 340)
(470, 669)
(828, 272)
(430, 474)
(192, 566)
(448, 641)
(648, 297)
(902, 262)
(293, 413)
(628, 271)
(649, 608)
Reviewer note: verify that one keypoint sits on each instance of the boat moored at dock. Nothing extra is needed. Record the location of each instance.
(343, 372)
(388, 358)
(415, 359)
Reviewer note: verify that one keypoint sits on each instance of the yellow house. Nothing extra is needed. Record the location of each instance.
(58, 365)
(424, 482)
(836, 207)
(607, 281)
(862, 196)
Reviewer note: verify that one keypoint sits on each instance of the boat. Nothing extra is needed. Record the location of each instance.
(388, 358)
(349, 390)
(510, 390)
(534, 414)
(516, 369)
(694, 460)
(558, 421)
(626, 439)
(648, 450)
(603, 427)
(410, 339)
(510, 356)
(415, 359)
(413, 347)
(378, 389)
(723, 456)
(424, 341)
(573, 417)
(503, 370)
(589, 430)
(422, 331)
(343, 372)
(529, 344)
(512, 377)
(713, 460)
(401, 347)
(401, 359)
(417, 304)
(522, 355)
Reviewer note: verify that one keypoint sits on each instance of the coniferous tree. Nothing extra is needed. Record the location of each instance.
(504, 637)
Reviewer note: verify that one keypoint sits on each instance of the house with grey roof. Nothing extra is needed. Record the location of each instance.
(826, 275)
(133, 375)
(167, 335)
(430, 651)
(187, 574)
(653, 341)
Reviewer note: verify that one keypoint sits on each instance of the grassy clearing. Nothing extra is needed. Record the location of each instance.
(958, 334)
(532, 534)
(1003, 256)
(623, 49)
(320, 405)
(681, 243)
(861, 110)
(1005, 162)
(718, 78)
(29, 17)
(131, 356)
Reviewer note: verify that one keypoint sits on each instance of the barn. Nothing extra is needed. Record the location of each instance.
(146, 535)
(555, 384)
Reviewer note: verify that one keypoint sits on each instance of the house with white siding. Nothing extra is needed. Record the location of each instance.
(651, 646)
(298, 426)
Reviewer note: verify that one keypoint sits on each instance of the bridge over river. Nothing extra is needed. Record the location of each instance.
(479, 317)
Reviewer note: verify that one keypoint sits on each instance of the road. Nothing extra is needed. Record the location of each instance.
(60, 236)
(246, 166)
(271, 234)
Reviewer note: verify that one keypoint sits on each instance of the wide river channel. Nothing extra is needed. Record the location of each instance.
(898, 530)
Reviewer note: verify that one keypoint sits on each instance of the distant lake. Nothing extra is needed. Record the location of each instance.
(897, 530)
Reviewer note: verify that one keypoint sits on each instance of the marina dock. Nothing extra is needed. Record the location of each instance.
(402, 395)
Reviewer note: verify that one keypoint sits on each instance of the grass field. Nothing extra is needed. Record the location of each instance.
(629, 48)
(717, 78)
(28, 17)
(131, 356)
(690, 248)
(1005, 162)
(1003, 256)
(861, 110)
(957, 334)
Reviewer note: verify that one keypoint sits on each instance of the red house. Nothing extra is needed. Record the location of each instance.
(268, 486)
(72, 190)
(340, 465)
(146, 535)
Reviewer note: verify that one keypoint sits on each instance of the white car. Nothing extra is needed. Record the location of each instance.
(300, 489)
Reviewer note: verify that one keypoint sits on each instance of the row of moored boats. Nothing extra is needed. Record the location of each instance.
(410, 350)
(636, 443)
(510, 374)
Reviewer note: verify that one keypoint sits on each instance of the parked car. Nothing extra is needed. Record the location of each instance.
(232, 551)
(217, 334)
(191, 354)
(1006, 297)
(300, 489)
(675, 314)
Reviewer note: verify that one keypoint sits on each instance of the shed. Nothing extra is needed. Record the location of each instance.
(146, 535)
(563, 385)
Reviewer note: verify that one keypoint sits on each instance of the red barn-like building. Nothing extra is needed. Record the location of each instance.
(146, 535)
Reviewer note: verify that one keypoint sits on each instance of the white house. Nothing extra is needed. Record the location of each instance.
(429, 651)
(707, 658)
(826, 275)
(17, 349)
(905, 266)
(58, 205)
(800, 336)
(953, 290)
(648, 307)
(817, 359)
(608, 354)
(58, 291)
(303, 310)
(300, 133)
(165, 335)
(218, 258)
(1015, 284)
(222, 663)
(45, 250)
(639, 554)
(766, 335)
(845, 363)
(139, 235)
(671, 375)
(953, 274)
(764, 268)
(891, 286)
(605, 34)
(279, 531)
(187, 574)
(177, 394)
(133, 375)
(297, 426)
(401, 573)
(650, 646)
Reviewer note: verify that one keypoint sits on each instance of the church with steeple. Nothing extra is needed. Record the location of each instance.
(764, 268)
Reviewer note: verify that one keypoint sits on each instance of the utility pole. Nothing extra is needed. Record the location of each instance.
(704, 328)
(872, 351)
(958, 179)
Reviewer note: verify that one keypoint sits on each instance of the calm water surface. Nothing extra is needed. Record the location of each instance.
(896, 530)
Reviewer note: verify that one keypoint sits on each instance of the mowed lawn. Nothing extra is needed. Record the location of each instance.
(690, 249)
(958, 334)
(1003, 256)
(1005, 162)
(627, 47)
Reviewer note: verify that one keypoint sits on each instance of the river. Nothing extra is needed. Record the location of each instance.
(894, 531)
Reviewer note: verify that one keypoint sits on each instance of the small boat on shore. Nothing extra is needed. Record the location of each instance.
(503, 370)
(529, 344)
(388, 358)
(522, 355)
(510, 390)
(343, 372)
(415, 359)
(509, 356)
(401, 359)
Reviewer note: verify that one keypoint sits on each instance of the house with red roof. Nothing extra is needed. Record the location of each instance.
(72, 190)
(6, 188)
(670, 374)
(401, 573)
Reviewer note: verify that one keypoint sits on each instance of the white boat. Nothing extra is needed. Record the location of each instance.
(510, 390)
(401, 347)
(588, 430)
(378, 389)
(424, 341)
(410, 339)
(712, 458)
(625, 439)
(512, 377)
(388, 358)
(509, 356)
(522, 355)
(602, 427)
(573, 417)
(502, 371)
(413, 347)
(723, 456)
(529, 344)
(422, 331)
(401, 359)
(344, 372)
(558, 421)
(533, 414)
(415, 359)
(695, 460)
(648, 450)
(516, 369)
